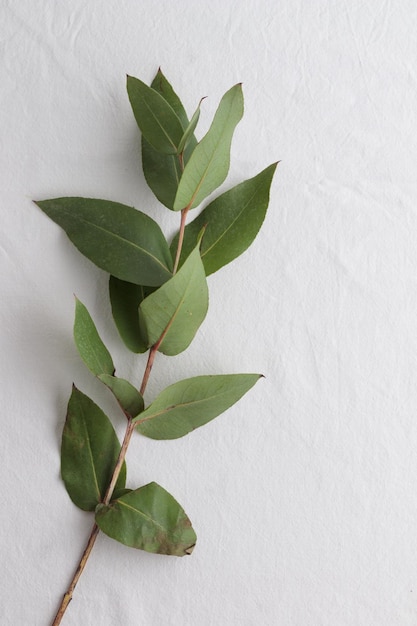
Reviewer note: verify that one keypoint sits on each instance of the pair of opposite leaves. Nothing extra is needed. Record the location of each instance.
(131, 247)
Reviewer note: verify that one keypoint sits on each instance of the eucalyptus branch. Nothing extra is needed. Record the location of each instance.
(159, 299)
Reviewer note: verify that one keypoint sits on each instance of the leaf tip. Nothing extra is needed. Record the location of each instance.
(201, 234)
(189, 550)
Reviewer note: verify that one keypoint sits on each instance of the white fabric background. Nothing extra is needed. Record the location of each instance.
(304, 495)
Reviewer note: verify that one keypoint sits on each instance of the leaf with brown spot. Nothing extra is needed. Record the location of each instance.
(150, 519)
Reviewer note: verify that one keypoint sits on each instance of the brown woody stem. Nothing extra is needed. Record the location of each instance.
(68, 595)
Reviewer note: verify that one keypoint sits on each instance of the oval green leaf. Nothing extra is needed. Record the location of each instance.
(157, 120)
(89, 452)
(150, 519)
(232, 222)
(209, 163)
(173, 313)
(89, 344)
(125, 393)
(191, 403)
(163, 172)
(125, 299)
(118, 238)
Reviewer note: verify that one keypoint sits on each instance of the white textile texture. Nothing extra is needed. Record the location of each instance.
(304, 494)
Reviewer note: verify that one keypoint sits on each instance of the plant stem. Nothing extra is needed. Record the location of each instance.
(68, 595)
(181, 160)
(120, 460)
(184, 214)
(123, 450)
(151, 358)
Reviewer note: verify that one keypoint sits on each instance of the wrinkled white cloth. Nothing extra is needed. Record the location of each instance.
(304, 495)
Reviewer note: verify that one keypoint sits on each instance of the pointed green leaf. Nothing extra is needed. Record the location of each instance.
(156, 119)
(163, 172)
(91, 348)
(209, 163)
(125, 393)
(232, 222)
(191, 403)
(89, 452)
(175, 311)
(190, 129)
(117, 238)
(150, 519)
(164, 88)
(97, 358)
(125, 299)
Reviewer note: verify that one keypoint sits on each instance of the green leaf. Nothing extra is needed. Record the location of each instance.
(173, 313)
(164, 88)
(156, 119)
(188, 133)
(91, 348)
(163, 172)
(125, 393)
(97, 358)
(117, 238)
(232, 222)
(150, 519)
(119, 493)
(209, 163)
(125, 299)
(191, 403)
(89, 452)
